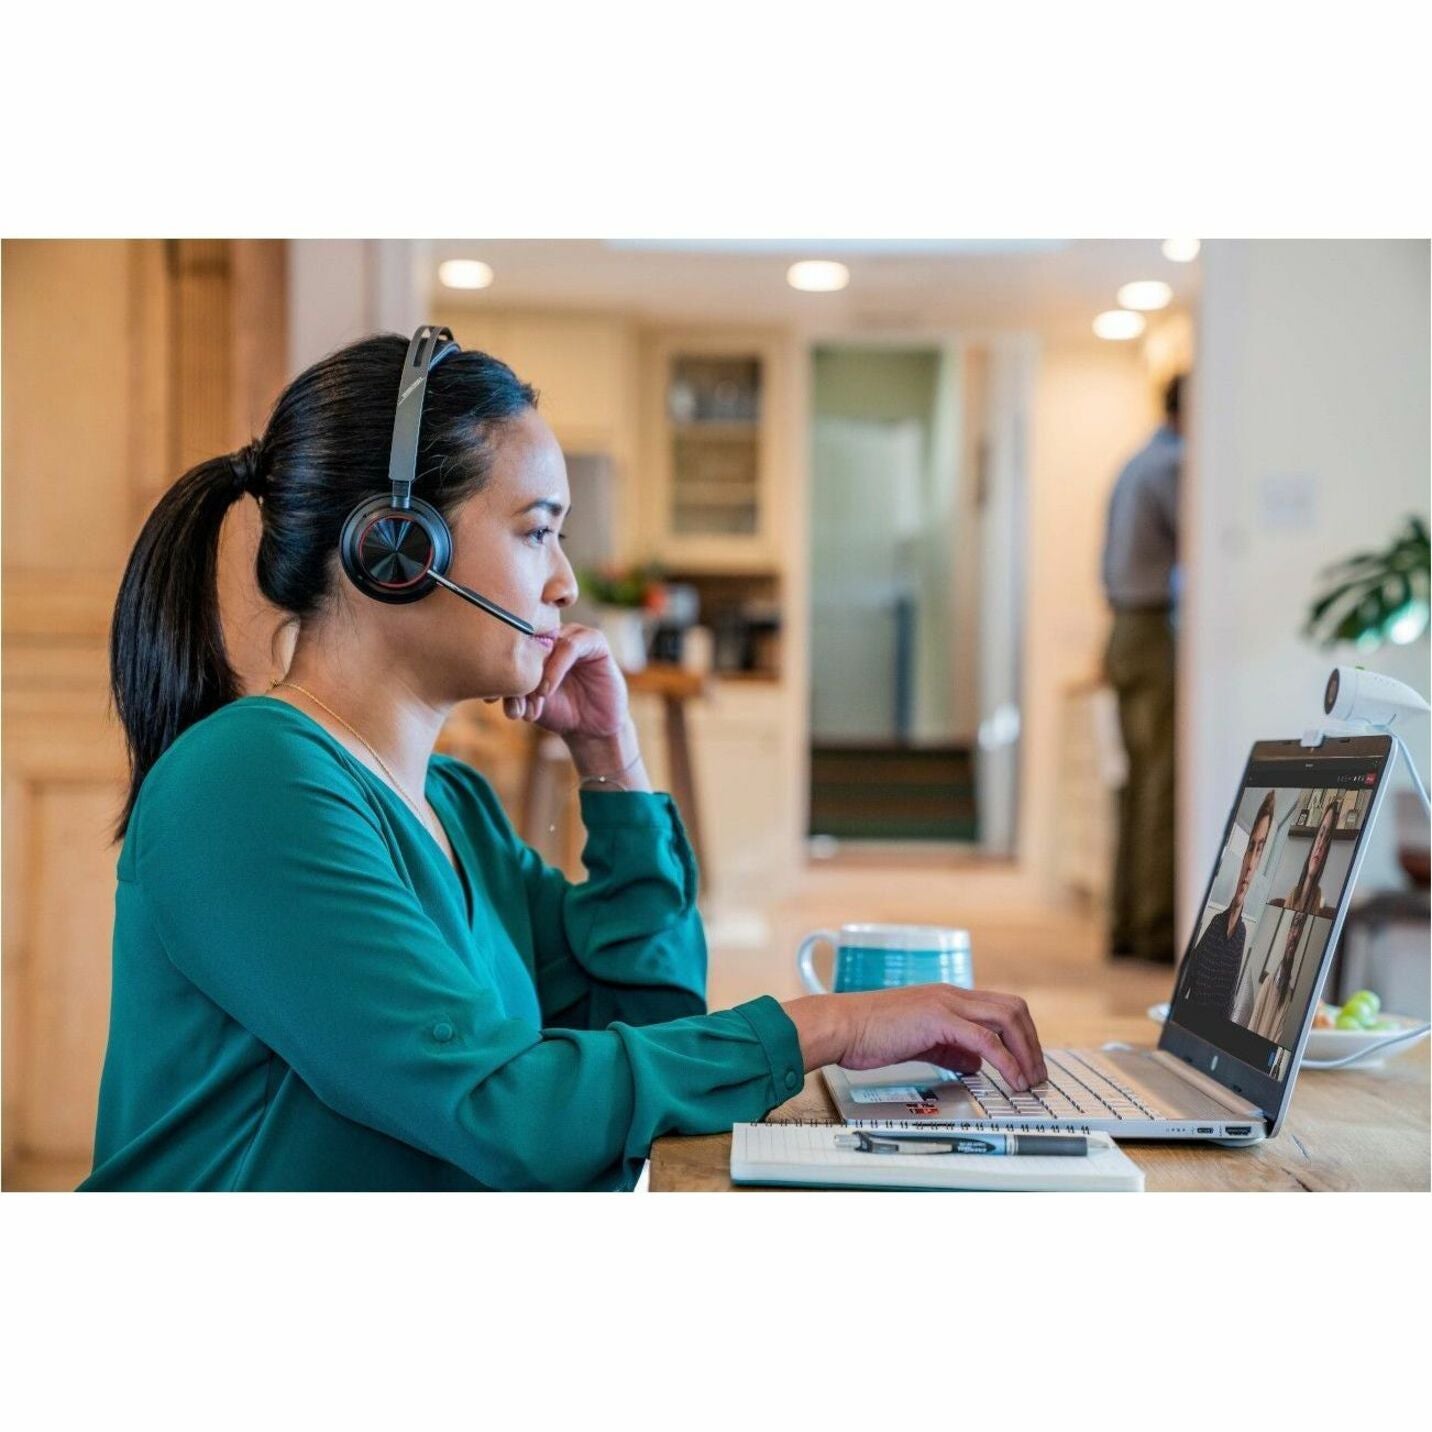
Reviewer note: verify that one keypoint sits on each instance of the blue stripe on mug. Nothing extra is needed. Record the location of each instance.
(871, 957)
(858, 968)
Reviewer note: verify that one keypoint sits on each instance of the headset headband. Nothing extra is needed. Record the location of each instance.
(429, 347)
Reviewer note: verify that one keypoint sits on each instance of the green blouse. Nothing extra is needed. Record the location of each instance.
(306, 994)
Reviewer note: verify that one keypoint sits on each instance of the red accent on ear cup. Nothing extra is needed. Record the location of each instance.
(391, 553)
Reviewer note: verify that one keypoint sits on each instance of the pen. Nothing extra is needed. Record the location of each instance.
(1073, 1145)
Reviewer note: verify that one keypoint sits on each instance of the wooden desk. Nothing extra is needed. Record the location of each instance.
(1347, 1129)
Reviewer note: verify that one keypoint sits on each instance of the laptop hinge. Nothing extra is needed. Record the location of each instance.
(1220, 1093)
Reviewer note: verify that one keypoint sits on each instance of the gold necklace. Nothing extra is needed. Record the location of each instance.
(397, 784)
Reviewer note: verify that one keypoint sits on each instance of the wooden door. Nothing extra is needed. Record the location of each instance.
(125, 362)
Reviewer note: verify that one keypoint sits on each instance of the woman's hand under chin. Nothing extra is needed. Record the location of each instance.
(581, 691)
(582, 697)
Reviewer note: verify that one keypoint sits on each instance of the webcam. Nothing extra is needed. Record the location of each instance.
(1353, 694)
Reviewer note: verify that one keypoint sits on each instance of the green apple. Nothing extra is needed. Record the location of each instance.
(1361, 1007)
(1370, 998)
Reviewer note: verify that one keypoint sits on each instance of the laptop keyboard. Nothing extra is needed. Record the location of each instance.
(1076, 1088)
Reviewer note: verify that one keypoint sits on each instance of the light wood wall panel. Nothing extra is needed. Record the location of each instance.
(66, 406)
(67, 994)
(125, 362)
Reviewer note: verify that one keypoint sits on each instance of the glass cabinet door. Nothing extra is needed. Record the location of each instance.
(713, 412)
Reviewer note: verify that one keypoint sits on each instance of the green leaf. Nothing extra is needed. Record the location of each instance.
(1360, 593)
(1329, 598)
(1332, 620)
(1349, 628)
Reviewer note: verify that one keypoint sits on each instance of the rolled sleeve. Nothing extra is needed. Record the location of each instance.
(776, 1032)
(606, 810)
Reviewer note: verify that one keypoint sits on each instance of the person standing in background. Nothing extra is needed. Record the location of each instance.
(1140, 579)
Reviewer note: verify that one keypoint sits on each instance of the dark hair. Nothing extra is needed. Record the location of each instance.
(1311, 879)
(1173, 396)
(325, 449)
(1266, 811)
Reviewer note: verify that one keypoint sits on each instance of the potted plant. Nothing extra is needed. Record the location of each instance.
(629, 600)
(1375, 597)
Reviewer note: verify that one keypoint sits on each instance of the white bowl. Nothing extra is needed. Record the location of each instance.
(1324, 1044)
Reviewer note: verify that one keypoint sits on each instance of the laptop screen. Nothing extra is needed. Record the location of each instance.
(1253, 966)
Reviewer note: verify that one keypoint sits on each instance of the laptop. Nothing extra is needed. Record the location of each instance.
(1244, 994)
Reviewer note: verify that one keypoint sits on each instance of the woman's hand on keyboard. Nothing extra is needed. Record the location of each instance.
(936, 1024)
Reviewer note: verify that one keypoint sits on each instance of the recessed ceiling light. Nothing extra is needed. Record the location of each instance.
(818, 276)
(1181, 251)
(1145, 294)
(464, 273)
(1119, 323)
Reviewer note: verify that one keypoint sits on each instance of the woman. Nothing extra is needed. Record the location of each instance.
(335, 965)
(1275, 988)
(1307, 895)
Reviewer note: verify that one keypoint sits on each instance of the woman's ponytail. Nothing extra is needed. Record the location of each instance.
(168, 666)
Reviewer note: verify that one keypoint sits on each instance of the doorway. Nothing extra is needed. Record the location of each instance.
(914, 598)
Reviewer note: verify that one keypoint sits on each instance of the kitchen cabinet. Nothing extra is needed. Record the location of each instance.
(739, 735)
(584, 366)
(581, 365)
(711, 449)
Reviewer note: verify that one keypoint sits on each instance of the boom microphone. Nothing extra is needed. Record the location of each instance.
(491, 608)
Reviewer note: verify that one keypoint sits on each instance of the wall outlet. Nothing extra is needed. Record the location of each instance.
(1287, 502)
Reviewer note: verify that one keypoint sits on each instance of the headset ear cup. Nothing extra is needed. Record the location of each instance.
(389, 552)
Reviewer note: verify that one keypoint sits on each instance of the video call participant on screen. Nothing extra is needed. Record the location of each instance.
(1307, 895)
(1275, 988)
(1211, 971)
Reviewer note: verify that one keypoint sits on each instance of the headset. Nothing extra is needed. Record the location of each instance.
(396, 547)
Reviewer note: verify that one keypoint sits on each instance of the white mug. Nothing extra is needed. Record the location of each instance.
(871, 957)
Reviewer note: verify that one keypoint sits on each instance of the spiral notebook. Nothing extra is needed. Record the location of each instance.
(804, 1153)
